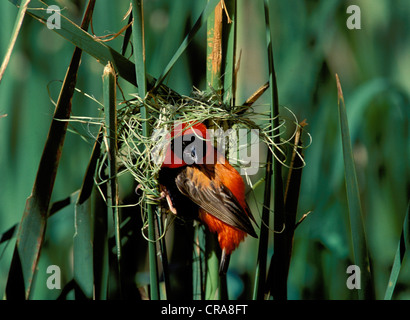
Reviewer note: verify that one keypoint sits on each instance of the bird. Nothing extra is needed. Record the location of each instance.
(199, 182)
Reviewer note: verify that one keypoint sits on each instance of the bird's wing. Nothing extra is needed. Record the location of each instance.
(214, 198)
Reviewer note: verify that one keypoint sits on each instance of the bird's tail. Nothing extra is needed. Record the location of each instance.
(224, 264)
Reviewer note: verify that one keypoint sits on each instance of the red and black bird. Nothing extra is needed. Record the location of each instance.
(196, 179)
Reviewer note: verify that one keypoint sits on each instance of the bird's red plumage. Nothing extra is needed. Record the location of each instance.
(205, 180)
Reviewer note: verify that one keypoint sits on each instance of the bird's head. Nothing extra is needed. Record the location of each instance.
(189, 144)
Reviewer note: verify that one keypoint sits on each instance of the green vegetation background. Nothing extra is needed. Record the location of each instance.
(311, 43)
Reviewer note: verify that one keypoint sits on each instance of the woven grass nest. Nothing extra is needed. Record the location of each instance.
(140, 154)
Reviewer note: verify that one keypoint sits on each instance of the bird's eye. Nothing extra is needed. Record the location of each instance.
(193, 153)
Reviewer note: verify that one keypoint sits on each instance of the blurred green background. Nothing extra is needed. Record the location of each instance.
(311, 43)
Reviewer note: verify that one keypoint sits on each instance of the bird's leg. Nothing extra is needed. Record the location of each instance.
(165, 194)
(171, 206)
